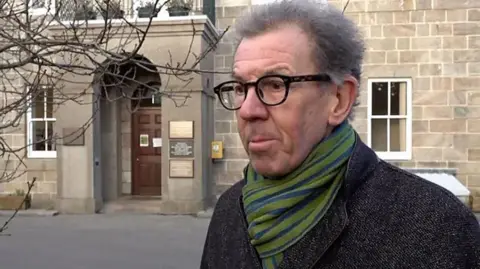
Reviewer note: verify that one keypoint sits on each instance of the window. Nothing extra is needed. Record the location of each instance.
(390, 118)
(42, 7)
(40, 124)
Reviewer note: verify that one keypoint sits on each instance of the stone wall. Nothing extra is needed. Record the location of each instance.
(437, 44)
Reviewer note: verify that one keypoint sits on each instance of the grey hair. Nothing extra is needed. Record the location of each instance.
(338, 46)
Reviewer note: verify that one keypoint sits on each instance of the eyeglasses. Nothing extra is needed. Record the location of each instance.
(272, 90)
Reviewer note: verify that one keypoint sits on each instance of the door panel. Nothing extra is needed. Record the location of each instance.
(147, 159)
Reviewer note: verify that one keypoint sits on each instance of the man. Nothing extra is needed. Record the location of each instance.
(313, 194)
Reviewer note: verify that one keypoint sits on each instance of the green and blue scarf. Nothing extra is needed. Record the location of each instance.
(281, 211)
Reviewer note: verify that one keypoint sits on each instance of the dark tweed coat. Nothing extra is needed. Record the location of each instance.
(383, 218)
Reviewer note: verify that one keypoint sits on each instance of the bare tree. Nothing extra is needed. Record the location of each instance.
(34, 59)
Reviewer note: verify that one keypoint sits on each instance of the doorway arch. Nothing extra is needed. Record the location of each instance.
(115, 84)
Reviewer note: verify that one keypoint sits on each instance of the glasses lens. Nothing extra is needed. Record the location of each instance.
(272, 90)
(232, 95)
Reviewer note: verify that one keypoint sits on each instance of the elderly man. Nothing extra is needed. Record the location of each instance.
(313, 194)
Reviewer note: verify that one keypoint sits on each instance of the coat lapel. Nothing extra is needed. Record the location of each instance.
(308, 250)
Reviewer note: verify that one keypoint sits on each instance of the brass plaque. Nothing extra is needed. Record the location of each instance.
(181, 129)
(181, 168)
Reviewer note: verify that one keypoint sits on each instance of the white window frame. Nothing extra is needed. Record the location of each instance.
(44, 10)
(31, 153)
(389, 155)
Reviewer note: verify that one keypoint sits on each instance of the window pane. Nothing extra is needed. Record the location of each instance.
(380, 98)
(398, 98)
(38, 128)
(398, 135)
(49, 103)
(38, 105)
(379, 134)
(51, 143)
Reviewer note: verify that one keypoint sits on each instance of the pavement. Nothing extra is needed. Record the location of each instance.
(102, 241)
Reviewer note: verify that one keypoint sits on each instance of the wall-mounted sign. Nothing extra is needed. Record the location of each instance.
(181, 148)
(144, 140)
(181, 129)
(157, 142)
(181, 168)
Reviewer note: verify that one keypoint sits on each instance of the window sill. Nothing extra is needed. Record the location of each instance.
(42, 155)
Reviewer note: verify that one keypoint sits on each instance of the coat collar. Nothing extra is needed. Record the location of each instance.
(310, 249)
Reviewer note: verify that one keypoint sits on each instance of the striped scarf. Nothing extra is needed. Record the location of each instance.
(281, 211)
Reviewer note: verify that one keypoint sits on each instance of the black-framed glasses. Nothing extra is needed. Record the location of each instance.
(272, 90)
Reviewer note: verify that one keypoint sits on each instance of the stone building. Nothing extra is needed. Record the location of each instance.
(419, 109)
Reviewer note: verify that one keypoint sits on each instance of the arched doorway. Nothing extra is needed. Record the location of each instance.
(125, 112)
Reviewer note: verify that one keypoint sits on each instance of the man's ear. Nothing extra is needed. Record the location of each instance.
(343, 99)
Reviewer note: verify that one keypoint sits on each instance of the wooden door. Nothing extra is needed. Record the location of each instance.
(147, 152)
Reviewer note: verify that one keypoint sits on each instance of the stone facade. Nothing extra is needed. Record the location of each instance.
(436, 44)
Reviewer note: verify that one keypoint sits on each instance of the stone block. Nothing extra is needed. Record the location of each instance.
(469, 112)
(473, 125)
(464, 56)
(474, 42)
(400, 30)
(236, 165)
(375, 57)
(465, 167)
(376, 6)
(224, 49)
(456, 69)
(231, 141)
(466, 141)
(454, 42)
(421, 56)
(474, 15)
(437, 112)
(420, 126)
(421, 84)
(473, 98)
(417, 16)
(457, 4)
(222, 127)
(235, 154)
(453, 154)
(392, 57)
(473, 180)
(430, 43)
(423, 4)
(466, 28)
(456, 15)
(403, 43)
(430, 70)
(234, 12)
(448, 126)
(432, 140)
(442, 84)
(367, 18)
(474, 68)
(436, 15)
(441, 29)
(380, 44)
(375, 31)
(221, 114)
(441, 56)
(401, 17)
(384, 17)
(474, 155)
(427, 154)
(430, 98)
(466, 83)
(422, 30)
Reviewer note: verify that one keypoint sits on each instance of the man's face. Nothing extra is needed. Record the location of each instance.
(278, 138)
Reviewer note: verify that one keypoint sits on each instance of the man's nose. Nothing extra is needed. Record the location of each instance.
(252, 108)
